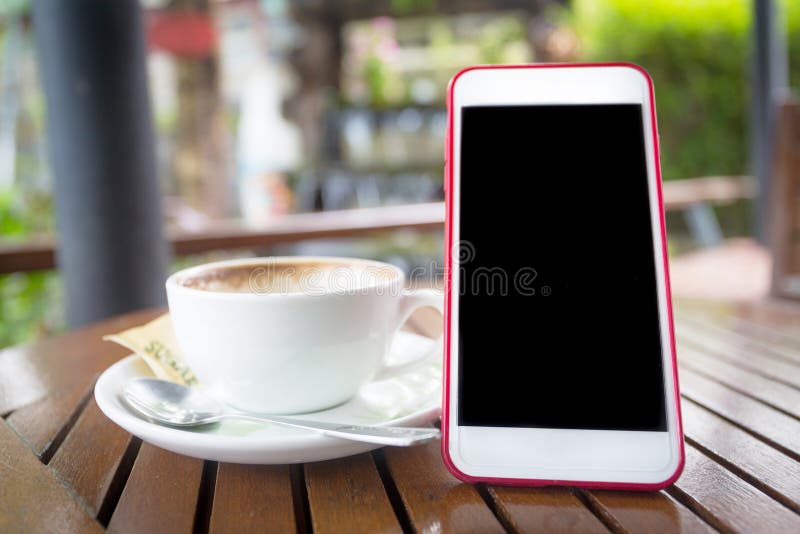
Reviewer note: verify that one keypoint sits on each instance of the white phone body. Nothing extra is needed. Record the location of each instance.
(545, 456)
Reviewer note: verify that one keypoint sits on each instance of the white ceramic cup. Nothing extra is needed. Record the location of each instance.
(298, 351)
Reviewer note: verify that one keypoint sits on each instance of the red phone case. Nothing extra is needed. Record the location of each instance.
(448, 186)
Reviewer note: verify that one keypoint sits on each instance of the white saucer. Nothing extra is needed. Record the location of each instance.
(413, 399)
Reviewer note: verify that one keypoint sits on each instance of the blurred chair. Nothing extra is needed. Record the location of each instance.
(696, 198)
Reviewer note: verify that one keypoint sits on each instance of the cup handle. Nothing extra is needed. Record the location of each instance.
(410, 301)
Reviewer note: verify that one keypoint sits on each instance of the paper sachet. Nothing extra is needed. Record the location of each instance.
(155, 343)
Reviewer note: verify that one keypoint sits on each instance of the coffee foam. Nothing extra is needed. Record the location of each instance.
(311, 277)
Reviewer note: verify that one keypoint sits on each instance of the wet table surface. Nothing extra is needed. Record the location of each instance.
(65, 467)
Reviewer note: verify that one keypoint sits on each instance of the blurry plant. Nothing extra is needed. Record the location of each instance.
(495, 38)
(24, 212)
(698, 53)
(402, 7)
(374, 57)
(407, 61)
(14, 8)
(27, 306)
(30, 302)
(442, 42)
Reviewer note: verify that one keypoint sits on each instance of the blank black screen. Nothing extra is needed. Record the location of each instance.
(554, 202)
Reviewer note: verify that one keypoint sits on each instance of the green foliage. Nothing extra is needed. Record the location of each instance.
(698, 53)
(402, 7)
(498, 34)
(30, 303)
(14, 8)
(28, 307)
(24, 212)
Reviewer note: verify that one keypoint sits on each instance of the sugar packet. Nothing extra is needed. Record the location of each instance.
(155, 343)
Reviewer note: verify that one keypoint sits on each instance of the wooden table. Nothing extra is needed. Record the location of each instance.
(65, 467)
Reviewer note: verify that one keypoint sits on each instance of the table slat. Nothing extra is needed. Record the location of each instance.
(434, 499)
(41, 424)
(779, 429)
(647, 512)
(769, 469)
(776, 394)
(161, 494)
(32, 499)
(775, 342)
(54, 366)
(741, 354)
(728, 502)
(544, 510)
(347, 495)
(90, 455)
(252, 498)
(770, 312)
(782, 339)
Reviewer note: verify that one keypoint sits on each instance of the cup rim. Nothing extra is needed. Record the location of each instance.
(173, 284)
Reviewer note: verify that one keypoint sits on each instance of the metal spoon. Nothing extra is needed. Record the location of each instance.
(178, 405)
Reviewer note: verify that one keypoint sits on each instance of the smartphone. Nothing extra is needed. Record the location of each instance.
(559, 349)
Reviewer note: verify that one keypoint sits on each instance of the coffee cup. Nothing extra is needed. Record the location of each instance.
(291, 334)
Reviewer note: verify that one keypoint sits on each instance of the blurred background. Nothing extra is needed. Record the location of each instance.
(268, 112)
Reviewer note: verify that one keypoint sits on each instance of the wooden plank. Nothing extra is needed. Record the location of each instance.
(42, 423)
(776, 394)
(727, 502)
(783, 340)
(767, 318)
(347, 495)
(32, 499)
(778, 313)
(646, 512)
(38, 253)
(222, 235)
(750, 335)
(252, 498)
(58, 365)
(778, 429)
(739, 352)
(434, 499)
(768, 469)
(544, 510)
(33, 254)
(161, 493)
(781, 313)
(90, 455)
